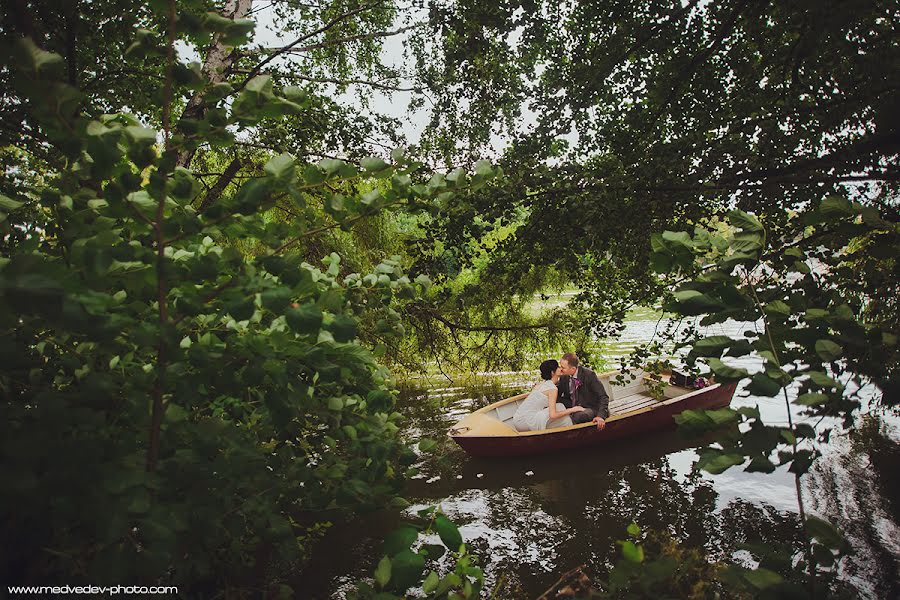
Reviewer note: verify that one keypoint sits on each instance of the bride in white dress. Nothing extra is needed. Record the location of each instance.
(540, 410)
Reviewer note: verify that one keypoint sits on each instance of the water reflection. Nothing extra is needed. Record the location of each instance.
(531, 519)
(859, 490)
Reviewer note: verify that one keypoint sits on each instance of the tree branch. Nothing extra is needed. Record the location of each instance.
(221, 183)
(687, 75)
(352, 38)
(158, 409)
(723, 186)
(318, 230)
(424, 311)
(71, 40)
(288, 48)
(373, 84)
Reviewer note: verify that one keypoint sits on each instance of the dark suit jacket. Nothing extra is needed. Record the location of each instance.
(591, 394)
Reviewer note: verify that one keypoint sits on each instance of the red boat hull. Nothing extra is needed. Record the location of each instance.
(660, 417)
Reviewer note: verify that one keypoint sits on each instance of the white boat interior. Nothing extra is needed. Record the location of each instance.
(627, 397)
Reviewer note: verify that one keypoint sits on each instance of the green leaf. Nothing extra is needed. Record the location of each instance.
(259, 84)
(276, 300)
(406, 569)
(383, 572)
(632, 552)
(717, 463)
(8, 204)
(448, 532)
(335, 404)
(811, 399)
(313, 174)
(804, 430)
(762, 578)
(746, 243)
(712, 346)
(721, 416)
(778, 374)
(281, 167)
(760, 464)
(483, 168)
(373, 164)
(740, 348)
(307, 319)
(431, 582)
(802, 462)
(661, 263)
(189, 75)
(724, 372)
(763, 385)
(750, 411)
(789, 436)
(40, 61)
(692, 302)
(777, 307)
(744, 220)
(399, 502)
(238, 32)
(427, 444)
(370, 197)
(252, 195)
(457, 176)
(633, 530)
(678, 238)
(399, 540)
(828, 350)
(658, 245)
(343, 328)
(825, 533)
(434, 551)
(241, 309)
(836, 207)
(331, 166)
(141, 135)
(822, 380)
(694, 422)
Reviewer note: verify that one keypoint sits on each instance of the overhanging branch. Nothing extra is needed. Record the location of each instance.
(289, 47)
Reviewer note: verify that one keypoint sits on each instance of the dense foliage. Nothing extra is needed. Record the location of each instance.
(201, 264)
(625, 119)
(186, 412)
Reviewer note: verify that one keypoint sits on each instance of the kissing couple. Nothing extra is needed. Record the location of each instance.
(568, 394)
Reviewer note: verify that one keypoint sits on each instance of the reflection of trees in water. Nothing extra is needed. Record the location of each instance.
(534, 533)
(430, 413)
(859, 491)
(530, 529)
(557, 524)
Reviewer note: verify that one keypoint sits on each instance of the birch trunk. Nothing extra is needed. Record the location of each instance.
(216, 68)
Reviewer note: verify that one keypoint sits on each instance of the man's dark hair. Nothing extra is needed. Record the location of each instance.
(548, 367)
(571, 358)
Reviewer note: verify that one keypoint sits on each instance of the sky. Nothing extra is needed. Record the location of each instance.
(393, 104)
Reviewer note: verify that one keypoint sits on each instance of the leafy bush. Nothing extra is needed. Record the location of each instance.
(173, 410)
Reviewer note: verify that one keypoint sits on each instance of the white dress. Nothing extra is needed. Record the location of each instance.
(533, 414)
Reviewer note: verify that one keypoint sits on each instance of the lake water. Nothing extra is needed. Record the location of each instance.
(532, 519)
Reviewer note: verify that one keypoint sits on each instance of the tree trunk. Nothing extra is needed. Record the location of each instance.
(216, 68)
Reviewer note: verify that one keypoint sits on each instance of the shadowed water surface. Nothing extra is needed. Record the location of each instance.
(532, 519)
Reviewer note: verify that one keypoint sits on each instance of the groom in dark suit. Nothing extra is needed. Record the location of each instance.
(579, 386)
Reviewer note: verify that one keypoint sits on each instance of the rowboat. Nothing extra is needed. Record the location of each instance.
(633, 409)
